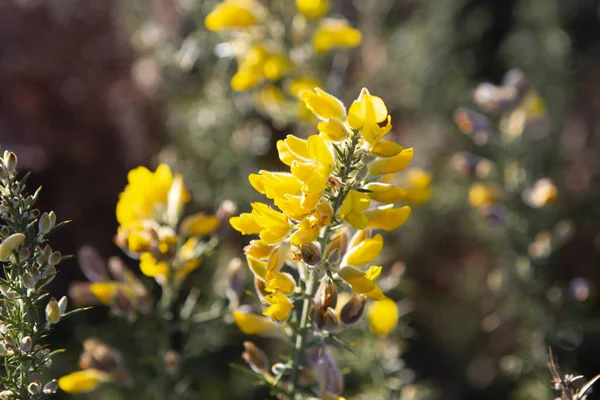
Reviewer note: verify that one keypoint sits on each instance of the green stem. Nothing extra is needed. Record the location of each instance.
(309, 292)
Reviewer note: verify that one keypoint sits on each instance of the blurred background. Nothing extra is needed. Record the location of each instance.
(91, 89)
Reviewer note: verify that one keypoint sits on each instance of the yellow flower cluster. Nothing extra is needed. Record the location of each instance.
(150, 227)
(273, 54)
(333, 181)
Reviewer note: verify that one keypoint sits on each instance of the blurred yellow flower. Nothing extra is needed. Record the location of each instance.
(335, 33)
(234, 14)
(383, 316)
(83, 381)
(484, 194)
(313, 8)
(252, 324)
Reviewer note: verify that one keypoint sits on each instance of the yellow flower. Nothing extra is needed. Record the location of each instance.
(233, 14)
(313, 8)
(280, 282)
(386, 193)
(159, 270)
(83, 381)
(279, 308)
(383, 316)
(324, 105)
(393, 164)
(352, 209)
(419, 185)
(387, 217)
(146, 195)
(105, 292)
(258, 249)
(276, 66)
(302, 84)
(484, 194)
(362, 282)
(258, 267)
(252, 324)
(271, 225)
(199, 224)
(367, 109)
(270, 100)
(364, 251)
(333, 129)
(334, 34)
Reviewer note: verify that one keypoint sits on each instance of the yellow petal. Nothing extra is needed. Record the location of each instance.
(335, 33)
(360, 283)
(105, 291)
(199, 224)
(324, 105)
(258, 249)
(252, 324)
(153, 268)
(333, 129)
(387, 218)
(245, 223)
(383, 316)
(302, 84)
(386, 148)
(313, 8)
(386, 193)
(281, 282)
(258, 268)
(365, 252)
(391, 165)
(246, 79)
(373, 272)
(228, 15)
(276, 66)
(83, 381)
(280, 307)
(366, 109)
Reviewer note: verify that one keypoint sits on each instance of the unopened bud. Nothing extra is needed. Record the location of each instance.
(9, 341)
(331, 322)
(353, 309)
(278, 368)
(62, 305)
(54, 258)
(311, 253)
(10, 244)
(328, 374)
(47, 252)
(6, 395)
(24, 254)
(51, 387)
(52, 312)
(28, 281)
(45, 224)
(10, 161)
(26, 343)
(34, 388)
(4, 231)
(255, 358)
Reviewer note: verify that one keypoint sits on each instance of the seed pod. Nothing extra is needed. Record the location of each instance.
(326, 295)
(316, 315)
(331, 322)
(255, 358)
(311, 253)
(353, 309)
(9, 244)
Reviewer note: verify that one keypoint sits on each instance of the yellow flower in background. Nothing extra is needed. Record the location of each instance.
(83, 381)
(234, 14)
(484, 194)
(415, 187)
(334, 34)
(313, 8)
(301, 84)
(383, 316)
(418, 185)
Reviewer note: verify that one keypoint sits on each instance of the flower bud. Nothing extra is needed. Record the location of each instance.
(6, 395)
(51, 387)
(353, 309)
(45, 224)
(311, 253)
(52, 312)
(62, 305)
(26, 343)
(28, 281)
(46, 252)
(331, 322)
(10, 161)
(328, 375)
(54, 258)
(339, 241)
(4, 231)
(9, 244)
(278, 368)
(255, 358)
(34, 388)
(24, 254)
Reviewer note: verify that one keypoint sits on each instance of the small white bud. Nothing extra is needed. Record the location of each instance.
(51, 387)
(44, 224)
(54, 258)
(52, 312)
(28, 281)
(34, 388)
(62, 305)
(26, 343)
